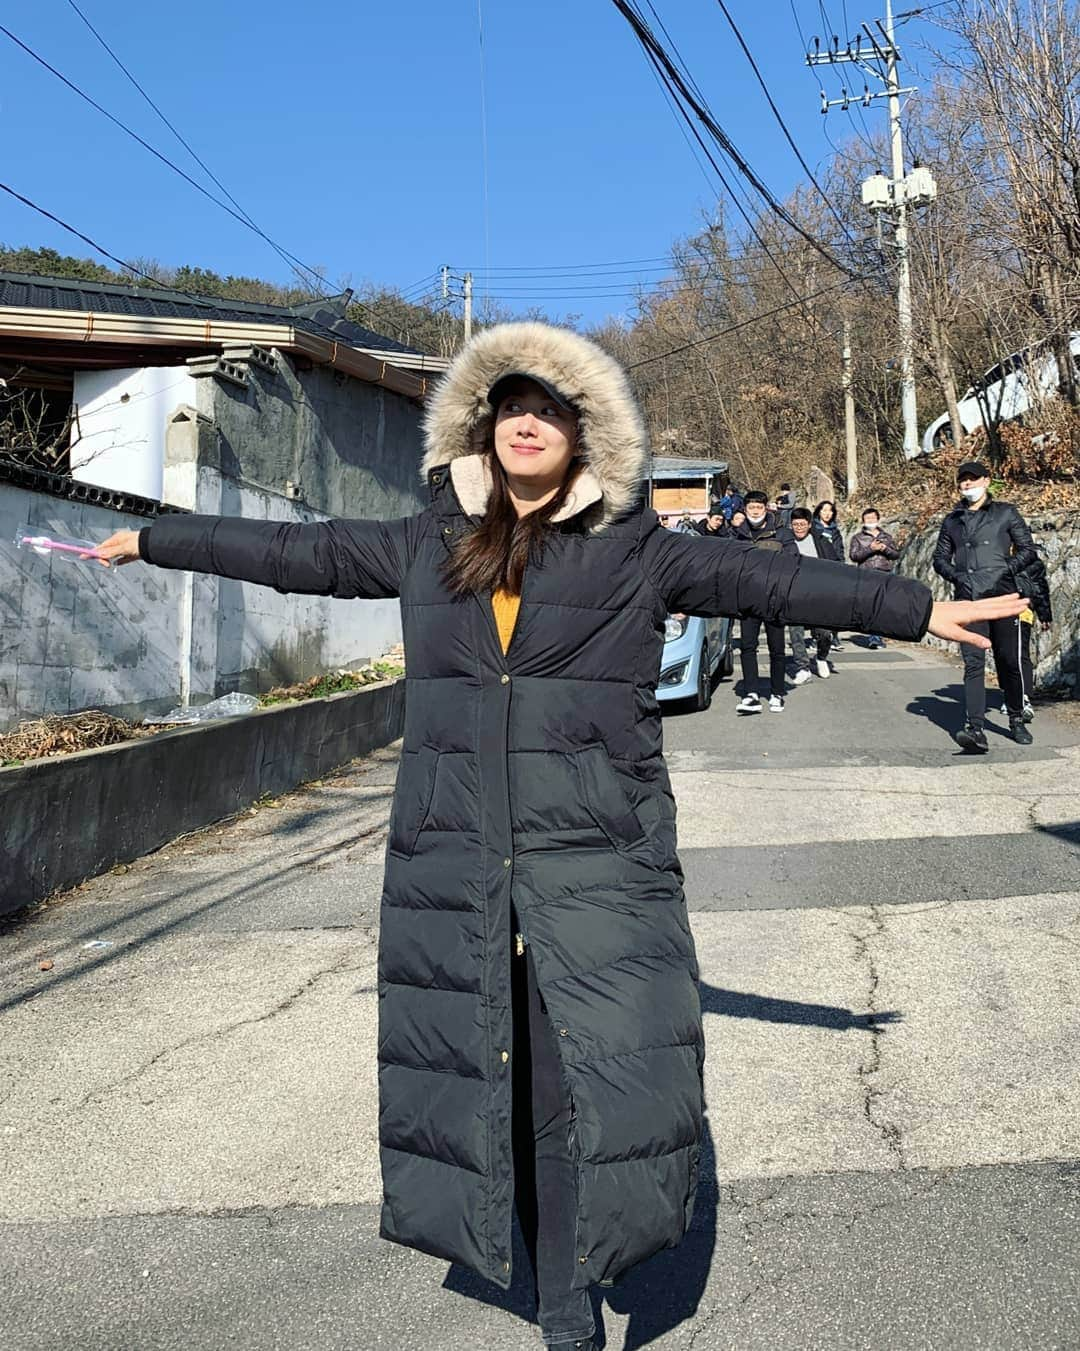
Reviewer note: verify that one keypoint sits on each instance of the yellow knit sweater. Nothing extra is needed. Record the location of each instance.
(506, 609)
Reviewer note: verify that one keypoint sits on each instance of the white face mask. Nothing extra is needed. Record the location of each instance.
(972, 494)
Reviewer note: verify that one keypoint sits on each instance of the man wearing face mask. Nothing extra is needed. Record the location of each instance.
(983, 546)
(764, 529)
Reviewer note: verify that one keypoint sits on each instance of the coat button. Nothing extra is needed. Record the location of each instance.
(504, 1056)
(565, 1032)
(506, 1266)
(583, 1260)
(507, 862)
(504, 679)
(447, 530)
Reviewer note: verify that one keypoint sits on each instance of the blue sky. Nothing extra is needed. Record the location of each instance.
(351, 133)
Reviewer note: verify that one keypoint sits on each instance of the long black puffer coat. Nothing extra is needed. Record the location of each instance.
(536, 779)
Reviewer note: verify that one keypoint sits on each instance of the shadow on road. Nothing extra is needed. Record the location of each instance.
(944, 708)
(665, 1291)
(1069, 831)
(92, 925)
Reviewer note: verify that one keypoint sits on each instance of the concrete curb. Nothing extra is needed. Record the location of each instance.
(72, 817)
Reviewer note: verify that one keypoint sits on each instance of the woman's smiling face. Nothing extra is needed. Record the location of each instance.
(535, 437)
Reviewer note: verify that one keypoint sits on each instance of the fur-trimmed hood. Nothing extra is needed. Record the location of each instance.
(611, 433)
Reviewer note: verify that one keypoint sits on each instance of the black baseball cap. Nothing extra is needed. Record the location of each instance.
(972, 469)
(505, 383)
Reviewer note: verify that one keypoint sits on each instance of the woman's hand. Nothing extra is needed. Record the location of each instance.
(949, 618)
(123, 547)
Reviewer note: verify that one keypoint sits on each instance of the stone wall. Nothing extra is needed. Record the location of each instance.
(137, 640)
(1056, 655)
(352, 449)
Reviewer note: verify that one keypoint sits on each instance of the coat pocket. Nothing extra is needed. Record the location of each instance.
(606, 798)
(412, 798)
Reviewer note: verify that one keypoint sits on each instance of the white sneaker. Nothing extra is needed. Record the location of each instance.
(823, 669)
(837, 646)
(801, 677)
(749, 703)
(776, 704)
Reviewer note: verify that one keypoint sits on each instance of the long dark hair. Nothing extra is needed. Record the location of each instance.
(496, 552)
(817, 513)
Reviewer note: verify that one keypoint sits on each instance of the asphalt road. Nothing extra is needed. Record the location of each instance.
(888, 934)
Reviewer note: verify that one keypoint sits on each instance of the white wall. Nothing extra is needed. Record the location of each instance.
(118, 438)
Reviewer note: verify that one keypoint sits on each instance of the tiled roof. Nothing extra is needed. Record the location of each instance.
(323, 318)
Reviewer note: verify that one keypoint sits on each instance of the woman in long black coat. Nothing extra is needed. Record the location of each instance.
(540, 1037)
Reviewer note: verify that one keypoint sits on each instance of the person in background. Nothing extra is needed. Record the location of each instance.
(731, 501)
(825, 523)
(786, 501)
(764, 530)
(1033, 583)
(714, 524)
(872, 547)
(811, 544)
(984, 548)
(685, 525)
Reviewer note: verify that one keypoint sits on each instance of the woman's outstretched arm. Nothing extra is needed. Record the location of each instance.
(708, 576)
(328, 558)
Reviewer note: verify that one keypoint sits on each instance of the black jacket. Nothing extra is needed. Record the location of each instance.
(983, 552)
(1033, 582)
(772, 534)
(833, 534)
(823, 546)
(536, 779)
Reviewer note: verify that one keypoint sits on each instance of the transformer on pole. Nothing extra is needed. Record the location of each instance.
(895, 195)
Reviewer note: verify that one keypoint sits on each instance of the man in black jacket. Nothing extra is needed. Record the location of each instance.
(983, 547)
(766, 531)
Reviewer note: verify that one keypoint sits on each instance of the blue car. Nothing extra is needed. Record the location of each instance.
(695, 650)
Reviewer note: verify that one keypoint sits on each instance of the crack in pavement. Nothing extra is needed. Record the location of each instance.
(219, 1033)
(871, 1065)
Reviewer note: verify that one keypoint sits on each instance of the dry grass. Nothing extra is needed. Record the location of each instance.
(337, 682)
(921, 489)
(60, 735)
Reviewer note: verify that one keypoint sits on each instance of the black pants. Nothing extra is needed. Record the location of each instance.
(545, 1185)
(749, 630)
(1005, 638)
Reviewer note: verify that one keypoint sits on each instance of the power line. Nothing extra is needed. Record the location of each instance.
(666, 71)
(483, 133)
(570, 267)
(98, 248)
(783, 125)
(187, 146)
(648, 39)
(745, 323)
(236, 215)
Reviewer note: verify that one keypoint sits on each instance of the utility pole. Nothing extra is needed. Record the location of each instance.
(899, 194)
(849, 415)
(467, 283)
(903, 257)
